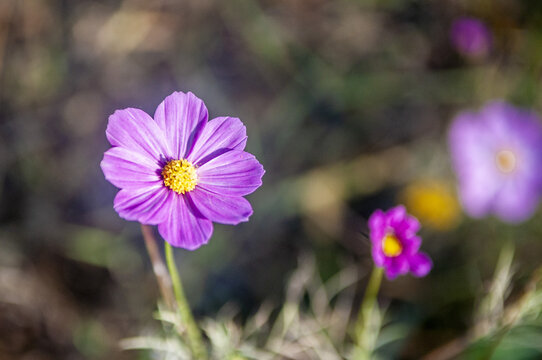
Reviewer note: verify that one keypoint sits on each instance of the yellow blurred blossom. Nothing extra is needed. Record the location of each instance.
(433, 202)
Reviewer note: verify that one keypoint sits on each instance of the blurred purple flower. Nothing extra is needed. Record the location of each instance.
(471, 37)
(179, 171)
(497, 156)
(395, 243)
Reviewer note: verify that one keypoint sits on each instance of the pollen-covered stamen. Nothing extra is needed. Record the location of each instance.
(506, 161)
(180, 176)
(391, 246)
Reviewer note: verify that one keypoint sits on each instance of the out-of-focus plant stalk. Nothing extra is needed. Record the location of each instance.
(493, 312)
(492, 318)
(158, 267)
(365, 321)
(192, 329)
(512, 314)
(490, 311)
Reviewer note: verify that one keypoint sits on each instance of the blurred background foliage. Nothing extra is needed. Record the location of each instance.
(346, 103)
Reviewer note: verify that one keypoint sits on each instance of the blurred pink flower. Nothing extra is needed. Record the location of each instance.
(497, 156)
(471, 37)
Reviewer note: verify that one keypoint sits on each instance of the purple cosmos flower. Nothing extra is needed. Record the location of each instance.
(395, 243)
(180, 171)
(471, 37)
(497, 156)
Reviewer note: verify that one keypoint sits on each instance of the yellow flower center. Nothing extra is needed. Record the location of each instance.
(506, 161)
(391, 246)
(180, 176)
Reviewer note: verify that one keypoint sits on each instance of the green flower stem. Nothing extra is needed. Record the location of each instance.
(364, 325)
(192, 329)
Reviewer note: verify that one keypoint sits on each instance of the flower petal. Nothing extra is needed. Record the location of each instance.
(377, 227)
(145, 205)
(478, 193)
(472, 146)
(181, 117)
(130, 169)
(516, 201)
(218, 208)
(184, 227)
(411, 244)
(396, 266)
(135, 130)
(420, 264)
(218, 136)
(234, 173)
(412, 225)
(378, 256)
(396, 216)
